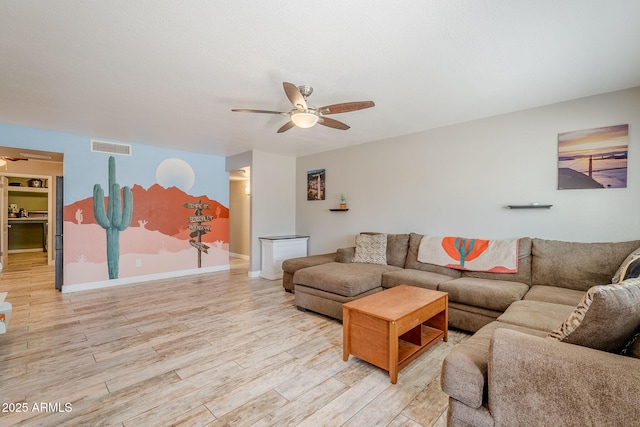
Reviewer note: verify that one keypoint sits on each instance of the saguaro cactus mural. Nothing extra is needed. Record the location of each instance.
(117, 217)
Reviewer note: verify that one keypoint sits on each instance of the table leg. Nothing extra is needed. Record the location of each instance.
(346, 346)
(393, 352)
(446, 319)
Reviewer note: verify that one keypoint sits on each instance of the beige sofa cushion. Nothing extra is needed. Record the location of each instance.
(605, 319)
(421, 279)
(464, 370)
(292, 265)
(492, 294)
(397, 248)
(543, 316)
(554, 294)
(348, 280)
(541, 382)
(345, 254)
(575, 265)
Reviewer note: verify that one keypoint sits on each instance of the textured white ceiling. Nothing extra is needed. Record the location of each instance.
(168, 73)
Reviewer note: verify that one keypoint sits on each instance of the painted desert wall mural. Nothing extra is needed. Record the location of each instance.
(122, 229)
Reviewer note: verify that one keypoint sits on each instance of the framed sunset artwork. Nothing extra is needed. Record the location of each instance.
(593, 158)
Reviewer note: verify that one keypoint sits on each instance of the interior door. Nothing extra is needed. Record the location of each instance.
(59, 206)
(4, 220)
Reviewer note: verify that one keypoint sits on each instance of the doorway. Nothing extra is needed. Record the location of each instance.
(28, 216)
(240, 213)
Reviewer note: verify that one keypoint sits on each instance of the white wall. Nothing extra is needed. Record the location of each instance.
(273, 203)
(457, 180)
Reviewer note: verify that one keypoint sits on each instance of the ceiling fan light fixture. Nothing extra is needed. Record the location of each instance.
(303, 115)
(304, 119)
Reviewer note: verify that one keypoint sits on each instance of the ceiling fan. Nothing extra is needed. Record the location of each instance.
(304, 115)
(3, 160)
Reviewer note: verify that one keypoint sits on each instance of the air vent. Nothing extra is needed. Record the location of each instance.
(110, 147)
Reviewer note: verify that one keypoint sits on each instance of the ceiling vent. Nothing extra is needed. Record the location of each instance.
(110, 147)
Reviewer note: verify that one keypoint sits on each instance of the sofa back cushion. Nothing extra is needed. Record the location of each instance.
(523, 274)
(412, 259)
(397, 249)
(575, 265)
(605, 319)
(345, 254)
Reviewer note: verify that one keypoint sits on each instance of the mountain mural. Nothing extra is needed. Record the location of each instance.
(163, 210)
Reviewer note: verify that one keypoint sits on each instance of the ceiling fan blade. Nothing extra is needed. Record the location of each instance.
(345, 107)
(294, 95)
(286, 126)
(245, 110)
(326, 121)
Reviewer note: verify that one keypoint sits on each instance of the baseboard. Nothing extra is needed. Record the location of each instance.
(254, 274)
(141, 279)
(242, 256)
(20, 251)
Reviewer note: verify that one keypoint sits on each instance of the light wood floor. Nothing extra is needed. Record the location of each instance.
(211, 350)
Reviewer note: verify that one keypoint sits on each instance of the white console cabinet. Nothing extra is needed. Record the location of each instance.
(276, 249)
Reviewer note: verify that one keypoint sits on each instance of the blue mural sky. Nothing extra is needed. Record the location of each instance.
(194, 173)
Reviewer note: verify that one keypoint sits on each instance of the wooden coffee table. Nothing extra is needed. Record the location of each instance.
(391, 328)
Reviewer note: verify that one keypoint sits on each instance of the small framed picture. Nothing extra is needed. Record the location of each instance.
(315, 184)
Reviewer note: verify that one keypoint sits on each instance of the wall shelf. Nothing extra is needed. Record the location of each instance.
(339, 210)
(531, 206)
(27, 190)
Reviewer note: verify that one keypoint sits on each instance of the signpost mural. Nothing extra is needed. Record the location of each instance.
(196, 227)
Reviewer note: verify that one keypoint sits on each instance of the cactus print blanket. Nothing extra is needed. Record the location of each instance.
(494, 256)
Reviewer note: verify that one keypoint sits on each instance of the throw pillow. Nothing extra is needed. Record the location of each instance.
(371, 249)
(605, 319)
(629, 268)
(633, 346)
(634, 349)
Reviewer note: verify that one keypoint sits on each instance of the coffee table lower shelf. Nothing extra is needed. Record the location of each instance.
(409, 350)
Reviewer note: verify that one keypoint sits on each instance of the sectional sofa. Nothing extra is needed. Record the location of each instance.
(551, 342)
